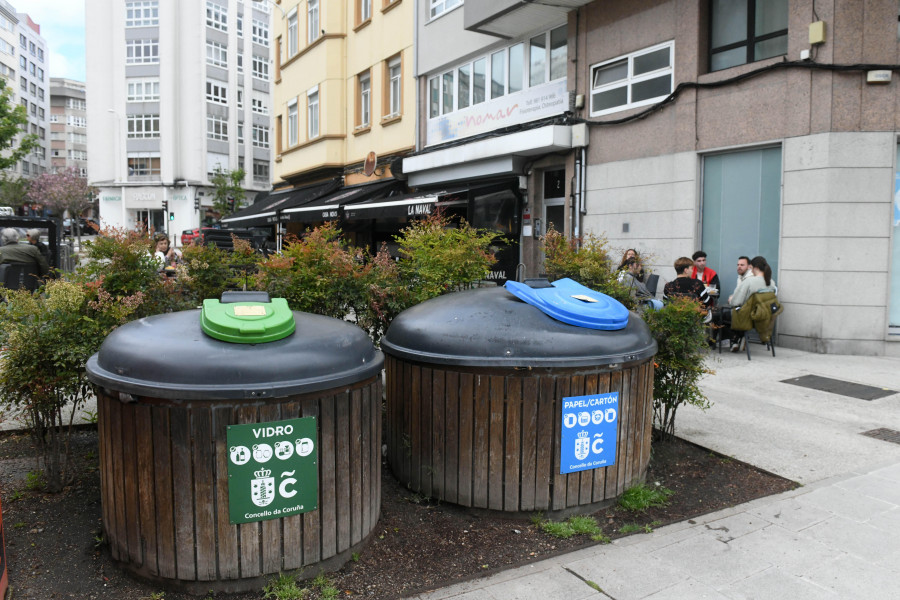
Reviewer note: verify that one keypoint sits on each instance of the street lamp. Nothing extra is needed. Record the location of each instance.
(278, 6)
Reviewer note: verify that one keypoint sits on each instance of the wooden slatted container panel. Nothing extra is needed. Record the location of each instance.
(164, 487)
(490, 438)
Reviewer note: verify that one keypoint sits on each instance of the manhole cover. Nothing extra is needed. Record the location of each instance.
(842, 388)
(888, 435)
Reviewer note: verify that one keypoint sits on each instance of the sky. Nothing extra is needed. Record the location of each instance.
(62, 27)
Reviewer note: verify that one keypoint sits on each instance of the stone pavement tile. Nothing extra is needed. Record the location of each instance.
(479, 594)
(687, 589)
(845, 503)
(775, 583)
(859, 539)
(874, 486)
(850, 577)
(793, 553)
(790, 514)
(891, 472)
(660, 538)
(475, 585)
(710, 561)
(629, 573)
(555, 583)
(734, 526)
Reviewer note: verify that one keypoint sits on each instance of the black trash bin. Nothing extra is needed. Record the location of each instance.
(476, 389)
(171, 394)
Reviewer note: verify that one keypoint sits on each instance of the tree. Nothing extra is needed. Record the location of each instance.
(13, 189)
(65, 190)
(13, 120)
(229, 194)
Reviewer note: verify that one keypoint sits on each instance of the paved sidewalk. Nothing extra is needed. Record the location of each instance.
(835, 537)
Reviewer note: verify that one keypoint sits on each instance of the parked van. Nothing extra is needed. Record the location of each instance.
(7, 211)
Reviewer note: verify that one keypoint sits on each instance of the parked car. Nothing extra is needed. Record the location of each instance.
(7, 211)
(86, 225)
(188, 235)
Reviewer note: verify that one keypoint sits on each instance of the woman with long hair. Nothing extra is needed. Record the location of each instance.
(760, 281)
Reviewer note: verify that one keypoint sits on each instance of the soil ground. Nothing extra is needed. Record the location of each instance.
(54, 546)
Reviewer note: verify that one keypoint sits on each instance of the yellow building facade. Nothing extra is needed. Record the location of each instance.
(343, 89)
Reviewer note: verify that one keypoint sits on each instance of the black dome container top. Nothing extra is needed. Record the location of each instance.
(169, 356)
(490, 327)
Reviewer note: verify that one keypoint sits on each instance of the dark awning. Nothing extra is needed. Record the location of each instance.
(418, 204)
(265, 212)
(328, 208)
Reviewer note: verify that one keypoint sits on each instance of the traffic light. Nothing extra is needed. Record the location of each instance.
(196, 203)
(171, 216)
(165, 205)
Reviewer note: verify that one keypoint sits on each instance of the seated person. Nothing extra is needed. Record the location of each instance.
(684, 285)
(709, 277)
(623, 265)
(630, 278)
(12, 252)
(165, 255)
(760, 281)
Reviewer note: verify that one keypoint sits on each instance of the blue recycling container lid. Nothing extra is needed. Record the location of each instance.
(570, 302)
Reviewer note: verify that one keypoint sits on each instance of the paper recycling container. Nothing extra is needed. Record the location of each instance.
(493, 404)
(237, 442)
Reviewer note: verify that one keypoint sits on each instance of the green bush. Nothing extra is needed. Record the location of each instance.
(207, 270)
(680, 360)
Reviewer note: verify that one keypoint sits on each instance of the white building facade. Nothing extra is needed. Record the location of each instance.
(68, 125)
(175, 90)
(31, 83)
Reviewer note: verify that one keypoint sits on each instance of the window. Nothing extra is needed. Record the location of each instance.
(40, 93)
(42, 133)
(216, 54)
(7, 72)
(32, 48)
(394, 86)
(260, 67)
(259, 106)
(23, 41)
(439, 7)
(32, 68)
(217, 92)
(312, 21)
(312, 113)
(33, 89)
(76, 138)
(260, 136)
(364, 99)
(23, 63)
(54, 118)
(240, 135)
(216, 16)
(25, 166)
(41, 54)
(292, 32)
(260, 33)
(143, 126)
(292, 123)
(143, 164)
(76, 155)
(240, 98)
(141, 52)
(636, 79)
(75, 104)
(447, 92)
(240, 25)
(261, 171)
(516, 68)
(240, 63)
(365, 10)
(23, 83)
(34, 109)
(216, 128)
(142, 14)
(7, 47)
(73, 121)
(744, 31)
(143, 90)
(7, 24)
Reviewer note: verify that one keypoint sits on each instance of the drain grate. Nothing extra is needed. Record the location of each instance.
(888, 435)
(842, 388)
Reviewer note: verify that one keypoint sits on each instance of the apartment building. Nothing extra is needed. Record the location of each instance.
(175, 92)
(32, 85)
(68, 125)
(740, 128)
(344, 106)
(8, 43)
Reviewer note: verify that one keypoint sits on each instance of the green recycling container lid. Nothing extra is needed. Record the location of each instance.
(247, 322)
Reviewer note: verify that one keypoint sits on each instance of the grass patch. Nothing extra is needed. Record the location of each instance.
(578, 525)
(642, 496)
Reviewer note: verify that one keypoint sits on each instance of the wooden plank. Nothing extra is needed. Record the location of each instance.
(438, 388)
(423, 432)
(601, 386)
(637, 426)
(376, 395)
(129, 470)
(573, 483)
(466, 438)
(341, 469)
(393, 404)
(204, 493)
(648, 422)
(249, 532)
(403, 464)
(512, 467)
(480, 446)
(451, 442)
(415, 427)
(354, 467)
(365, 457)
(586, 491)
(146, 505)
(545, 447)
(182, 475)
(270, 544)
(625, 409)
(164, 491)
(118, 541)
(496, 437)
(560, 481)
(312, 528)
(226, 533)
(327, 492)
(529, 441)
(103, 443)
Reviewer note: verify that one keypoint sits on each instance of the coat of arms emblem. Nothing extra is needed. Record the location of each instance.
(262, 489)
(582, 445)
